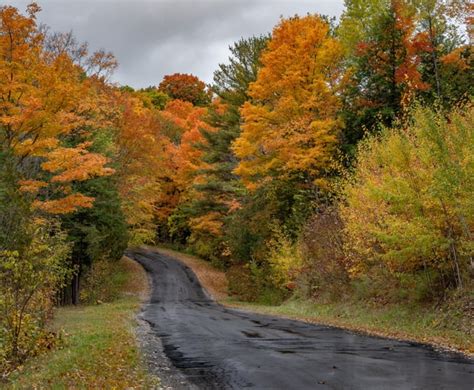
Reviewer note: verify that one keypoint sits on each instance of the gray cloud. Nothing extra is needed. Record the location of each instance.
(151, 38)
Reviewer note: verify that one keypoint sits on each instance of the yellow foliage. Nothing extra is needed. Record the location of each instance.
(409, 205)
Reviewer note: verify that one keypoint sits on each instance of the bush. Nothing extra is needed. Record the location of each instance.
(253, 283)
(408, 210)
(323, 259)
(284, 260)
(30, 279)
(103, 282)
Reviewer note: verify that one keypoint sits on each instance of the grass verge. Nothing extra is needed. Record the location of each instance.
(413, 323)
(99, 349)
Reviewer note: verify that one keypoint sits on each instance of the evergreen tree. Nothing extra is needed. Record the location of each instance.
(219, 188)
(99, 232)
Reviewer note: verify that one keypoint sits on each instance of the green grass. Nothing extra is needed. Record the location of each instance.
(416, 323)
(99, 350)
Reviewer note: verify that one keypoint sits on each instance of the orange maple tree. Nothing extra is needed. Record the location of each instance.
(44, 100)
(290, 123)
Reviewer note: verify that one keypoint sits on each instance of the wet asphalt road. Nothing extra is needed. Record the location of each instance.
(220, 348)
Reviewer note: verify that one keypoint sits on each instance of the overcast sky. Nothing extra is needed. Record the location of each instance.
(152, 38)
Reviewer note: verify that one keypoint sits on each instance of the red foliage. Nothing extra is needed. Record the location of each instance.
(185, 87)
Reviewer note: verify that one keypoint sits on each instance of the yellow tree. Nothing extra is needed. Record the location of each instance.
(290, 124)
(142, 165)
(408, 209)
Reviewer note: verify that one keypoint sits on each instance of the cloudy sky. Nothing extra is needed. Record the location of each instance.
(151, 38)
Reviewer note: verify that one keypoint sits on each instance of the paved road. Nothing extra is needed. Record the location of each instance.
(220, 348)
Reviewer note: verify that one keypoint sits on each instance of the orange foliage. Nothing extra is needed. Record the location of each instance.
(142, 161)
(186, 156)
(414, 43)
(457, 58)
(43, 99)
(65, 205)
(290, 124)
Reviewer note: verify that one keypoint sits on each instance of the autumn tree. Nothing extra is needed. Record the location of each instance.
(143, 166)
(35, 121)
(396, 52)
(440, 22)
(48, 115)
(183, 125)
(383, 65)
(219, 189)
(186, 87)
(290, 123)
(408, 208)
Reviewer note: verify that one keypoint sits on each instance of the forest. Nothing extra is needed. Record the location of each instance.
(328, 159)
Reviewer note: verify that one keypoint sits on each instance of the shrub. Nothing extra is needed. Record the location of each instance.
(253, 282)
(30, 279)
(323, 258)
(103, 282)
(408, 210)
(284, 260)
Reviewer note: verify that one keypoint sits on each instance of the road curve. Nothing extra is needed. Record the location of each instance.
(219, 348)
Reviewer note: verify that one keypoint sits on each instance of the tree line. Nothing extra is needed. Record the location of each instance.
(325, 158)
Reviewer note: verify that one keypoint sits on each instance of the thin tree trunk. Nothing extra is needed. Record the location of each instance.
(433, 57)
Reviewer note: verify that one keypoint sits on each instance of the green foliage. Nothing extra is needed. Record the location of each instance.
(30, 279)
(285, 261)
(102, 283)
(178, 225)
(252, 282)
(99, 232)
(373, 94)
(282, 206)
(409, 208)
(15, 212)
(154, 98)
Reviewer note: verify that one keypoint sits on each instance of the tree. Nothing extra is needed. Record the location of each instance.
(408, 209)
(142, 166)
(183, 123)
(51, 114)
(43, 100)
(98, 233)
(290, 124)
(383, 68)
(218, 189)
(154, 98)
(186, 87)
(396, 52)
